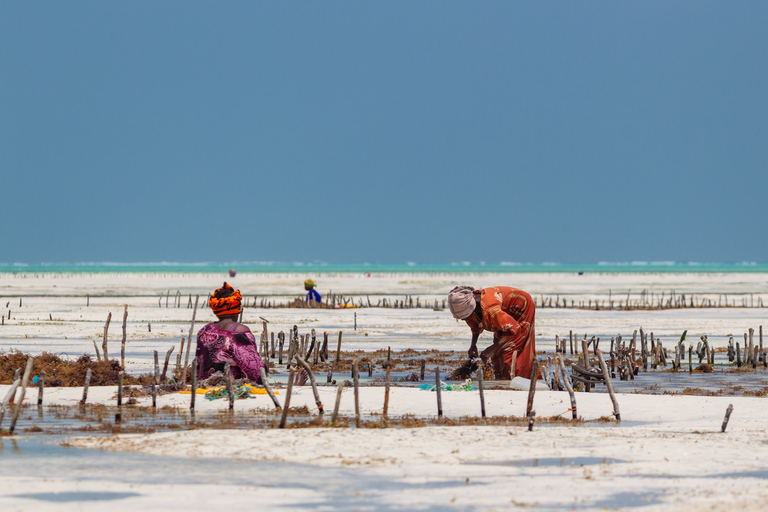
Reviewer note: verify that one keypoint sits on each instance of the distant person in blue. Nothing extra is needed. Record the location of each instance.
(312, 295)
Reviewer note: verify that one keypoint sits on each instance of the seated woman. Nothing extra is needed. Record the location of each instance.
(227, 341)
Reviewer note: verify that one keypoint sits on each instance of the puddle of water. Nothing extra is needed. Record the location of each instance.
(628, 500)
(63, 497)
(552, 462)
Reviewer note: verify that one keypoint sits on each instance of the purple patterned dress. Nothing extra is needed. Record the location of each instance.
(216, 347)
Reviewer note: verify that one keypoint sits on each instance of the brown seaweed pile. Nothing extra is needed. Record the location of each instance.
(63, 372)
(469, 367)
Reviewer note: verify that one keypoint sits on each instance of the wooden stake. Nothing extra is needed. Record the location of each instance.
(568, 387)
(267, 387)
(85, 386)
(423, 369)
(157, 368)
(287, 401)
(480, 388)
(532, 388)
(607, 377)
(355, 379)
(386, 391)
(439, 394)
(194, 384)
(230, 387)
(120, 388)
(165, 365)
(312, 381)
(531, 419)
(98, 356)
(189, 343)
(338, 349)
(24, 382)
(728, 412)
(40, 388)
(10, 395)
(513, 365)
(336, 405)
(122, 344)
(104, 343)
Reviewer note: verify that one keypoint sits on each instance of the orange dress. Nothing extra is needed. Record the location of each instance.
(509, 313)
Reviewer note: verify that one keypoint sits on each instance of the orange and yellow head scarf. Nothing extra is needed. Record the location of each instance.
(226, 306)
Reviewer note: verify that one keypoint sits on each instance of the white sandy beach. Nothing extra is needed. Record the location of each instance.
(666, 454)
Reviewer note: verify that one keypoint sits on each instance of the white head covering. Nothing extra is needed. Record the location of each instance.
(461, 302)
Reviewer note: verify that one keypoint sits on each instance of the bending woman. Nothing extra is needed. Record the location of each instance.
(227, 341)
(507, 312)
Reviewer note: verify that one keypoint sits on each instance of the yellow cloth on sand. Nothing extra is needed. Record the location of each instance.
(253, 390)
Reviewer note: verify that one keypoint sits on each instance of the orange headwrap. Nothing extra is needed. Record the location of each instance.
(226, 306)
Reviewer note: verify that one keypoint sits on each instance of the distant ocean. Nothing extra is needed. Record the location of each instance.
(355, 268)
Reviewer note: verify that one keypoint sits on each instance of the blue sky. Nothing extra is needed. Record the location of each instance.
(383, 132)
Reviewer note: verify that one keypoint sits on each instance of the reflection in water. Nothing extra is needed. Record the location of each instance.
(61, 497)
(552, 462)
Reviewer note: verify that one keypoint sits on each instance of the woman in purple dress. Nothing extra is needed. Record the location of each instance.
(227, 341)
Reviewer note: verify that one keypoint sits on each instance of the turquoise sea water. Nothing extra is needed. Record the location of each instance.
(334, 268)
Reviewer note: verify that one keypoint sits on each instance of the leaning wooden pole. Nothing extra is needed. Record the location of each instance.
(480, 388)
(532, 388)
(728, 412)
(11, 393)
(267, 387)
(122, 343)
(287, 401)
(106, 332)
(304, 364)
(189, 343)
(607, 377)
(336, 405)
(85, 386)
(568, 387)
(24, 382)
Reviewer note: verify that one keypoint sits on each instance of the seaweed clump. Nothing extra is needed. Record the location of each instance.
(469, 367)
(61, 372)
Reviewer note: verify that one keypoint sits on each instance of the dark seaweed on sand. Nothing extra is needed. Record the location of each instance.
(468, 368)
(64, 372)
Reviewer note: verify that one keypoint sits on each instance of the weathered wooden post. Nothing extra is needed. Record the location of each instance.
(268, 388)
(312, 381)
(439, 394)
(122, 343)
(338, 349)
(728, 412)
(357, 393)
(336, 405)
(532, 388)
(189, 343)
(10, 395)
(423, 369)
(20, 403)
(568, 387)
(41, 388)
(230, 387)
(608, 385)
(104, 343)
(165, 365)
(531, 420)
(386, 390)
(194, 383)
(157, 368)
(287, 401)
(120, 376)
(480, 388)
(85, 386)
